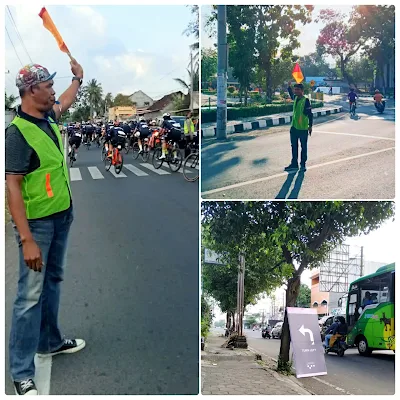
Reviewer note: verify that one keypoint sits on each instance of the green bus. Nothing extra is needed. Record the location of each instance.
(370, 311)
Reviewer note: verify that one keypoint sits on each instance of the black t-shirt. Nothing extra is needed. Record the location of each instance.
(21, 158)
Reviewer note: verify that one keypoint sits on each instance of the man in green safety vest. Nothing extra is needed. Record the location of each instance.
(188, 130)
(301, 128)
(40, 203)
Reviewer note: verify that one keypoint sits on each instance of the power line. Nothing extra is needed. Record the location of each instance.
(20, 38)
(14, 47)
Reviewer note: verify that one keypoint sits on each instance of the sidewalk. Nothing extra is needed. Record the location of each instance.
(249, 124)
(236, 372)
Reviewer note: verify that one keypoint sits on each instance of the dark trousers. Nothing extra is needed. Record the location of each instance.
(296, 136)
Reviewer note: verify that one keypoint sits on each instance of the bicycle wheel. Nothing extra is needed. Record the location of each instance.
(103, 153)
(135, 150)
(175, 162)
(156, 158)
(119, 163)
(107, 163)
(146, 153)
(190, 165)
(127, 146)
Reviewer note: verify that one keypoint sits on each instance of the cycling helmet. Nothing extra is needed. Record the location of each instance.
(153, 122)
(376, 91)
(166, 115)
(351, 89)
(141, 119)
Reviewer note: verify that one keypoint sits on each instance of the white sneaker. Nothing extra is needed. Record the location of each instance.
(162, 157)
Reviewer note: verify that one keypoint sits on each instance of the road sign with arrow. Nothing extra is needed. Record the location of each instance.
(309, 358)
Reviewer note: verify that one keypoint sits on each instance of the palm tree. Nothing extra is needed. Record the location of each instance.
(94, 93)
(193, 29)
(9, 101)
(187, 85)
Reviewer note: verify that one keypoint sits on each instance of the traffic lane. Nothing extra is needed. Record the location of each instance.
(246, 156)
(371, 176)
(355, 374)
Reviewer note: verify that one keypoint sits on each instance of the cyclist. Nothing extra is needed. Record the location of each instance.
(378, 98)
(142, 132)
(75, 139)
(89, 130)
(171, 131)
(116, 136)
(352, 96)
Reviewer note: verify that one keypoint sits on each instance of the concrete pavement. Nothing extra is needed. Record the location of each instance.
(131, 286)
(348, 158)
(351, 374)
(235, 372)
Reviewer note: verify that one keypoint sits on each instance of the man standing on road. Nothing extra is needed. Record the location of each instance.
(302, 121)
(40, 202)
(188, 130)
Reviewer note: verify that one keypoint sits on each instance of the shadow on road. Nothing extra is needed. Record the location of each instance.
(294, 194)
(260, 162)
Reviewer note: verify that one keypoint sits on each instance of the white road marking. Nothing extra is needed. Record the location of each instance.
(75, 174)
(268, 178)
(136, 171)
(157, 171)
(357, 135)
(43, 374)
(95, 172)
(120, 175)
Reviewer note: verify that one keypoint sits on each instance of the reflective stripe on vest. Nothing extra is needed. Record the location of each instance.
(46, 191)
(300, 121)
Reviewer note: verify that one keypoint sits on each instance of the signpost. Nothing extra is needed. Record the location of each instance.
(305, 336)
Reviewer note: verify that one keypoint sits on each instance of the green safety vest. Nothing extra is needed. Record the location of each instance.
(300, 121)
(46, 191)
(186, 126)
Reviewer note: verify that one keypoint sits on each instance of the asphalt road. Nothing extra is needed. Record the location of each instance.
(131, 285)
(348, 158)
(351, 374)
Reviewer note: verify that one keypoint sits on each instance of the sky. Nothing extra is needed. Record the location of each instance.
(125, 48)
(307, 38)
(380, 246)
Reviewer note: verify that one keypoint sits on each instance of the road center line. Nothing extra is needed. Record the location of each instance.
(282, 174)
(43, 374)
(357, 135)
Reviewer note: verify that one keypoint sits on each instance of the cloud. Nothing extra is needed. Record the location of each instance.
(91, 17)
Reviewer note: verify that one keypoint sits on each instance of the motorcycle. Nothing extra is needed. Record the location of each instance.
(339, 346)
(380, 107)
(266, 333)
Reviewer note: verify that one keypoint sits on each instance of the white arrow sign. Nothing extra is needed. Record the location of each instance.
(303, 331)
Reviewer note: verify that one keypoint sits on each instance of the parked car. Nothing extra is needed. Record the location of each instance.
(179, 119)
(277, 330)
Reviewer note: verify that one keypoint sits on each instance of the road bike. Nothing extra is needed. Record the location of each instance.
(72, 155)
(191, 167)
(116, 159)
(145, 150)
(173, 157)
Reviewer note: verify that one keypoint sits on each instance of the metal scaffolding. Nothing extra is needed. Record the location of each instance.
(340, 268)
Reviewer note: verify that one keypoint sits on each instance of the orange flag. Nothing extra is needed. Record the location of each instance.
(49, 25)
(297, 74)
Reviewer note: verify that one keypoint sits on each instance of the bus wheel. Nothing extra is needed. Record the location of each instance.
(363, 348)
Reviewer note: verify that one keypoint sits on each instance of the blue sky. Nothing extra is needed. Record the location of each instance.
(308, 36)
(126, 48)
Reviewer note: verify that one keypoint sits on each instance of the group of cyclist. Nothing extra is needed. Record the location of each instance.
(353, 96)
(117, 133)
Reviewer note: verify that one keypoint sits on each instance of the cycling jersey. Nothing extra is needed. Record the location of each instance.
(143, 128)
(76, 133)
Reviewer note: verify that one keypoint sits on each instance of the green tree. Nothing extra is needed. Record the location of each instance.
(313, 64)
(293, 236)
(193, 30)
(362, 70)
(304, 297)
(375, 26)
(9, 101)
(121, 100)
(208, 65)
(206, 316)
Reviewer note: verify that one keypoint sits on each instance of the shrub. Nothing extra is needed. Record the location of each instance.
(231, 89)
(252, 111)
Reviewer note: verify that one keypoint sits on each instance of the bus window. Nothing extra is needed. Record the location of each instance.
(353, 313)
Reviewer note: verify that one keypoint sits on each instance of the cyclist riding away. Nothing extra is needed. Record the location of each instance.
(171, 131)
(378, 98)
(116, 136)
(75, 139)
(142, 132)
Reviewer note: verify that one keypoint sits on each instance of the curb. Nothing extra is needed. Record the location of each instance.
(227, 357)
(264, 123)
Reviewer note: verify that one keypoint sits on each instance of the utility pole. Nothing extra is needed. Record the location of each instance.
(191, 82)
(240, 340)
(222, 73)
(362, 261)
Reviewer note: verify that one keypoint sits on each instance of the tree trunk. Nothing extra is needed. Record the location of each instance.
(245, 97)
(292, 291)
(240, 95)
(268, 84)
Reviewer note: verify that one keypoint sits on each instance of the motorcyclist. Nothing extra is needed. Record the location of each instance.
(330, 331)
(337, 329)
(378, 99)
